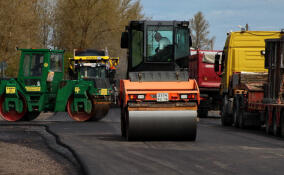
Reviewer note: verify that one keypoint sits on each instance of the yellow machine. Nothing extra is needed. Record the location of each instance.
(87, 57)
(244, 53)
(96, 66)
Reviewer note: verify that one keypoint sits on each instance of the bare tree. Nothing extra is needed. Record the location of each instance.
(64, 24)
(94, 24)
(200, 31)
(45, 13)
(20, 26)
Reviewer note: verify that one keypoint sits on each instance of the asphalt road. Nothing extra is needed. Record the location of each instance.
(217, 150)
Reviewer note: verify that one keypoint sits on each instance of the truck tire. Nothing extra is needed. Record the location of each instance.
(202, 113)
(241, 120)
(236, 112)
(226, 120)
(267, 126)
(282, 124)
(241, 117)
(275, 128)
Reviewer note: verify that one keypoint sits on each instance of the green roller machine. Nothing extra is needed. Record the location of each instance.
(40, 87)
(95, 66)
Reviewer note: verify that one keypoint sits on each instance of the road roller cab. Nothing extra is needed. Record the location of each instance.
(40, 72)
(97, 68)
(158, 100)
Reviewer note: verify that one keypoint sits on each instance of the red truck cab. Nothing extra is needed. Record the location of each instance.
(201, 68)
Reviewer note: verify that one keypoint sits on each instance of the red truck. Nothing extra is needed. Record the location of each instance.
(201, 68)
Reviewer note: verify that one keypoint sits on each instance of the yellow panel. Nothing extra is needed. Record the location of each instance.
(10, 90)
(103, 92)
(91, 57)
(33, 88)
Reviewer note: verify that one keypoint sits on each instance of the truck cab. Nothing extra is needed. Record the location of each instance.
(244, 54)
(201, 68)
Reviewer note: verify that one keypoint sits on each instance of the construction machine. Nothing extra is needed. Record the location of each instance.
(158, 100)
(40, 87)
(98, 67)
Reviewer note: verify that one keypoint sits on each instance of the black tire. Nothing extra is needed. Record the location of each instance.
(202, 113)
(123, 123)
(275, 128)
(226, 120)
(236, 111)
(282, 124)
(267, 126)
(241, 119)
(29, 116)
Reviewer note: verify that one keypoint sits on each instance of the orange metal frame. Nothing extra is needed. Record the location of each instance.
(150, 89)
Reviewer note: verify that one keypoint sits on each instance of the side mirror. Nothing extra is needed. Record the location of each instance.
(216, 63)
(124, 40)
(223, 61)
(190, 41)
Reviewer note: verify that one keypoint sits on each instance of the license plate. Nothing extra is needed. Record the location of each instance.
(161, 97)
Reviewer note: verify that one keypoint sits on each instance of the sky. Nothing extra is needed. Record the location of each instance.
(223, 15)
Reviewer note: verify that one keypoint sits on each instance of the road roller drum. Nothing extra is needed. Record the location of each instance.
(162, 124)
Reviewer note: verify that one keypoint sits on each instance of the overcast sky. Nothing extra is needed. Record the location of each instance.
(223, 15)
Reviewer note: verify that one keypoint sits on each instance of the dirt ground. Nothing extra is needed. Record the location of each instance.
(15, 159)
(26, 153)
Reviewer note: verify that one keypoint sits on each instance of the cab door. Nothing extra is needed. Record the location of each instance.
(34, 71)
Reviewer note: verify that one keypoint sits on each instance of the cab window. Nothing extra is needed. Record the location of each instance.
(56, 62)
(33, 65)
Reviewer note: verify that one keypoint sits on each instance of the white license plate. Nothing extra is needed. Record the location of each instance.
(161, 97)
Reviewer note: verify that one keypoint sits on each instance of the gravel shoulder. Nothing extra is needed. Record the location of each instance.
(26, 152)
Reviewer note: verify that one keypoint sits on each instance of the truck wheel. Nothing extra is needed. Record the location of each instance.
(282, 124)
(202, 113)
(225, 119)
(236, 112)
(275, 128)
(267, 126)
(241, 120)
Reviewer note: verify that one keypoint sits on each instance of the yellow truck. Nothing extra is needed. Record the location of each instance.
(242, 61)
